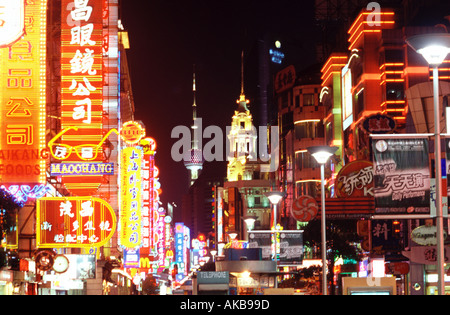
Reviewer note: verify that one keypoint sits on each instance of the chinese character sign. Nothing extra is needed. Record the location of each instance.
(81, 61)
(81, 88)
(22, 91)
(130, 197)
(148, 164)
(179, 247)
(355, 180)
(73, 222)
(401, 176)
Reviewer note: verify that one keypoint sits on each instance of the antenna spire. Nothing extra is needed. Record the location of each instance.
(242, 72)
(242, 101)
(194, 105)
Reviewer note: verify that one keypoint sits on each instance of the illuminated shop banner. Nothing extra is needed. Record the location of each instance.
(88, 152)
(81, 62)
(355, 180)
(131, 258)
(82, 85)
(179, 248)
(159, 238)
(73, 222)
(148, 165)
(347, 97)
(22, 91)
(61, 169)
(401, 175)
(130, 197)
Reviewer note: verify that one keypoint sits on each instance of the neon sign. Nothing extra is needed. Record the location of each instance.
(73, 222)
(22, 90)
(81, 169)
(81, 89)
(24, 192)
(85, 152)
(130, 194)
(132, 132)
(148, 166)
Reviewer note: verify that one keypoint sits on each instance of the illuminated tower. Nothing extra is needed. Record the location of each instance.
(242, 137)
(194, 159)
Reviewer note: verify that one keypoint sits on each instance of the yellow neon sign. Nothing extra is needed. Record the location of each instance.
(86, 152)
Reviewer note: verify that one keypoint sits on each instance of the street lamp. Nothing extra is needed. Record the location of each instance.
(232, 235)
(435, 48)
(322, 154)
(250, 221)
(274, 198)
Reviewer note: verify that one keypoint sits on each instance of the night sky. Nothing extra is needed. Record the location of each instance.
(168, 37)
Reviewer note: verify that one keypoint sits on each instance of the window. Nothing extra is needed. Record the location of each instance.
(394, 91)
(305, 160)
(309, 188)
(309, 129)
(308, 100)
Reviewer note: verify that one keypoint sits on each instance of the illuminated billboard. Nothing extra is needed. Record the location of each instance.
(73, 222)
(347, 97)
(130, 197)
(148, 167)
(22, 91)
(82, 84)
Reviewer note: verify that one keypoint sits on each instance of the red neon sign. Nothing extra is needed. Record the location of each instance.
(82, 83)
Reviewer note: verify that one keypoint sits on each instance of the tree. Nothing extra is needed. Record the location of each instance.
(341, 237)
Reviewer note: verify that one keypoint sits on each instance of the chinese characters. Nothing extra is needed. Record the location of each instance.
(74, 221)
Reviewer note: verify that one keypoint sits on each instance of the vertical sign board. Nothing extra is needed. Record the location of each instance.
(147, 187)
(22, 91)
(179, 250)
(219, 215)
(401, 176)
(82, 85)
(130, 197)
(147, 166)
(447, 167)
(73, 222)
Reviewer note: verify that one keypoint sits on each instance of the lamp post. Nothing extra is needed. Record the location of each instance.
(274, 198)
(435, 48)
(322, 154)
(250, 222)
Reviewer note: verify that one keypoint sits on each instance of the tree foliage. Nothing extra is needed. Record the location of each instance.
(341, 237)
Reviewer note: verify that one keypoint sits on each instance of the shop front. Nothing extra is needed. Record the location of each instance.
(423, 274)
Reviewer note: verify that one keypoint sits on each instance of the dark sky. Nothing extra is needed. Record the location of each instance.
(168, 37)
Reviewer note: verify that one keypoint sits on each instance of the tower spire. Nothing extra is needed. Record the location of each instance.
(242, 73)
(242, 101)
(193, 160)
(194, 105)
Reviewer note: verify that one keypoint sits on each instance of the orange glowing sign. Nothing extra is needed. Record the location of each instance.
(82, 86)
(22, 91)
(132, 132)
(73, 222)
